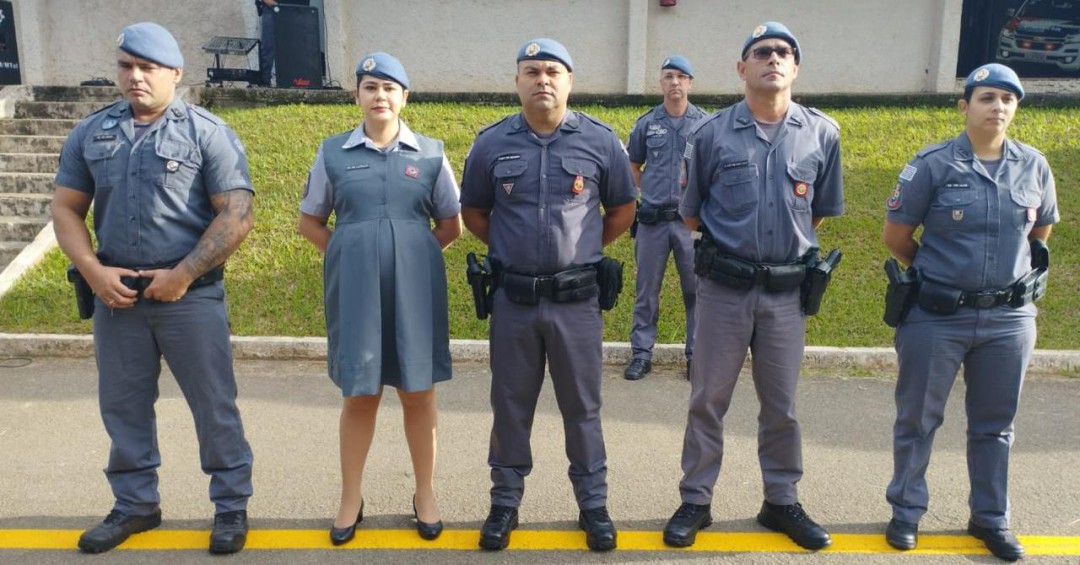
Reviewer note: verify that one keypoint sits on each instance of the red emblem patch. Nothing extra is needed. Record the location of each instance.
(411, 171)
(801, 188)
(894, 201)
(579, 184)
(1031, 214)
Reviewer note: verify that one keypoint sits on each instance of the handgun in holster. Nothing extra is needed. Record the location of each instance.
(84, 295)
(901, 292)
(818, 274)
(609, 276)
(479, 275)
(1032, 286)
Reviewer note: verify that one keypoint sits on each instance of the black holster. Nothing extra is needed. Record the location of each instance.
(479, 275)
(609, 276)
(900, 293)
(818, 274)
(1032, 286)
(84, 295)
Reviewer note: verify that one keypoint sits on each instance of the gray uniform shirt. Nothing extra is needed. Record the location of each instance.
(975, 226)
(659, 141)
(757, 198)
(318, 197)
(152, 194)
(545, 194)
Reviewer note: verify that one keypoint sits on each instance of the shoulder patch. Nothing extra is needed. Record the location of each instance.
(823, 116)
(932, 148)
(594, 120)
(908, 173)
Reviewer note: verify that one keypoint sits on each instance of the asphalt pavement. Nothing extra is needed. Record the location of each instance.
(54, 448)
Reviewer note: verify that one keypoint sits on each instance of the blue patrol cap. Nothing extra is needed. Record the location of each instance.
(147, 40)
(679, 63)
(997, 76)
(543, 49)
(770, 30)
(384, 66)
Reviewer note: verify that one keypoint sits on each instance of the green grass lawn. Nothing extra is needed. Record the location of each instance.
(275, 279)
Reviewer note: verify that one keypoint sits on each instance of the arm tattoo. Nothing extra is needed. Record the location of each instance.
(231, 224)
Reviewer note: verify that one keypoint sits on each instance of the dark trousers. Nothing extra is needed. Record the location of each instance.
(193, 337)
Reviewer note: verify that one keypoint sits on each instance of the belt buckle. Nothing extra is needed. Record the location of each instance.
(986, 299)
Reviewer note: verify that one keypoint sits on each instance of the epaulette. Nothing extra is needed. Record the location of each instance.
(104, 108)
(645, 115)
(1027, 147)
(708, 118)
(824, 116)
(932, 148)
(204, 113)
(594, 120)
(494, 124)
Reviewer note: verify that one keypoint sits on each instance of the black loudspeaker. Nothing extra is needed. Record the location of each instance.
(298, 57)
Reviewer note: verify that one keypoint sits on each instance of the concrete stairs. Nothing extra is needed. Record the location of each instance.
(37, 121)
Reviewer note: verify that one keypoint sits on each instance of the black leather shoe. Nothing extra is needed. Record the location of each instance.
(230, 532)
(341, 536)
(902, 535)
(792, 520)
(1001, 542)
(599, 529)
(115, 528)
(495, 533)
(426, 530)
(638, 369)
(682, 528)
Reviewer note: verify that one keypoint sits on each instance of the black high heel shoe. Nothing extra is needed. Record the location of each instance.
(340, 536)
(426, 531)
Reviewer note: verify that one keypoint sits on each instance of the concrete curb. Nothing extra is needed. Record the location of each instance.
(856, 360)
(33, 253)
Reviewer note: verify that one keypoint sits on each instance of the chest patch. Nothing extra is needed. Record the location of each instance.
(508, 186)
(957, 214)
(800, 189)
(412, 171)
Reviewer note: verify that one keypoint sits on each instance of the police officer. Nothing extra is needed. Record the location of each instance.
(267, 10)
(172, 200)
(981, 199)
(762, 175)
(532, 190)
(657, 142)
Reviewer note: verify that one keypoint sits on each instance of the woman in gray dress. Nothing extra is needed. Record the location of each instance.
(395, 203)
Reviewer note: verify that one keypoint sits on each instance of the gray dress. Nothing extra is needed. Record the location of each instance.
(384, 275)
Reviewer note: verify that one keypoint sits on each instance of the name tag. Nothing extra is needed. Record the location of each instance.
(735, 165)
(105, 137)
(356, 167)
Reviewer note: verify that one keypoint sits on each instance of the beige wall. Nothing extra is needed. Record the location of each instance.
(850, 46)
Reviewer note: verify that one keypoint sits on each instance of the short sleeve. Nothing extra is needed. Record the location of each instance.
(318, 199)
(73, 172)
(445, 195)
(1048, 210)
(225, 165)
(910, 199)
(477, 188)
(635, 145)
(697, 180)
(829, 192)
(618, 188)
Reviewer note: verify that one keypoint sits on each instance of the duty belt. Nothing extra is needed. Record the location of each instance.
(139, 284)
(648, 215)
(983, 299)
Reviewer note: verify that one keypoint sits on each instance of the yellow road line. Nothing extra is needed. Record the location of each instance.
(547, 540)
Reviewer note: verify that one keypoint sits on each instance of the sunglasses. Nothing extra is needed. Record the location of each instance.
(765, 53)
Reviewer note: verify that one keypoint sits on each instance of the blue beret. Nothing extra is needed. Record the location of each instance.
(997, 76)
(384, 66)
(152, 42)
(544, 49)
(679, 63)
(770, 30)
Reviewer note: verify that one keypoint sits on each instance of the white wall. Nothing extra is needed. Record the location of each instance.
(850, 46)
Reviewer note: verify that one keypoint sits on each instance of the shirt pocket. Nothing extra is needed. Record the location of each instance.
(177, 165)
(509, 177)
(800, 192)
(101, 159)
(1024, 207)
(582, 180)
(954, 206)
(736, 189)
(658, 150)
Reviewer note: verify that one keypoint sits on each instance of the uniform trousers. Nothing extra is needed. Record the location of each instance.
(652, 246)
(773, 326)
(193, 336)
(568, 337)
(995, 346)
